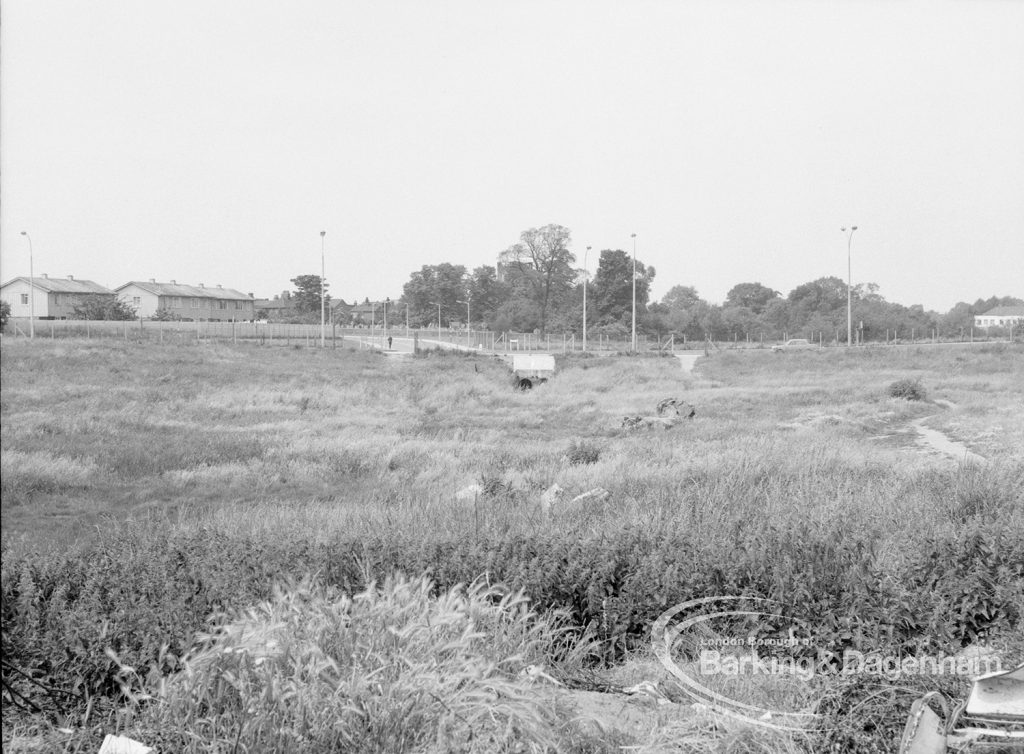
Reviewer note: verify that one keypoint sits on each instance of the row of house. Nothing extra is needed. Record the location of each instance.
(56, 298)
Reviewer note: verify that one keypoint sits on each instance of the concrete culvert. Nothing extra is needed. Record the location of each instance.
(524, 384)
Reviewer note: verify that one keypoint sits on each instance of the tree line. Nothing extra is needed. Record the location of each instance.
(536, 286)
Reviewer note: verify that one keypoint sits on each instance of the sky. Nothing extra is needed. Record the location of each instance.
(209, 141)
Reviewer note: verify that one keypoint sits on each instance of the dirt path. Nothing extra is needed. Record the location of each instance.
(687, 360)
(938, 441)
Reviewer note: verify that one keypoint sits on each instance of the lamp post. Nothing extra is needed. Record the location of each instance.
(469, 341)
(387, 300)
(585, 254)
(323, 294)
(634, 292)
(438, 321)
(849, 287)
(31, 290)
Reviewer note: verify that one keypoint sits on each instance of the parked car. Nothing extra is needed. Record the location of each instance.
(796, 344)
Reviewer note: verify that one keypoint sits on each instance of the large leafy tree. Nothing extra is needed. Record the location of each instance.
(752, 296)
(819, 305)
(445, 284)
(306, 298)
(687, 315)
(540, 267)
(613, 286)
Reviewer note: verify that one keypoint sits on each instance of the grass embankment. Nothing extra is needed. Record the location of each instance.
(239, 467)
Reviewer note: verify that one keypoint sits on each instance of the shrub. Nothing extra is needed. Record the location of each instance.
(393, 668)
(581, 452)
(911, 390)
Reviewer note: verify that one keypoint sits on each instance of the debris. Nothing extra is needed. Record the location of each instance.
(472, 492)
(123, 745)
(648, 422)
(596, 495)
(998, 695)
(647, 689)
(669, 412)
(676, 407)
(537, 673)
(550, 496)
(996, 702)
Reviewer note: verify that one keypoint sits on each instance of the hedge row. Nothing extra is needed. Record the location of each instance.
(142, 592)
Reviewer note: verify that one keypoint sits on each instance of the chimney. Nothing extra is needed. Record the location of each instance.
(44, 275)
(152, 280)
(219, 285)
(201, 285)
(71, 277)
(174, 282)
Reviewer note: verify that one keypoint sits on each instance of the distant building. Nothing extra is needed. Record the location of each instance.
(189, 302)
(1001, 316)
(274, 309)
(54, 298)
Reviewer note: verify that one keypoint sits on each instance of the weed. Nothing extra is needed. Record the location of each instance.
(582, 452)
(911, 390)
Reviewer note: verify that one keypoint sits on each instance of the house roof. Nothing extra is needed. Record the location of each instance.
(186, 291)
(1004, 311)
(273, 303)
(62, 285)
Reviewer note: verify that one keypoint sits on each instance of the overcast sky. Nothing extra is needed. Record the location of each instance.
(211, 142)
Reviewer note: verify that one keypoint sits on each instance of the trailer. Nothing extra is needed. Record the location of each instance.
(529, 369)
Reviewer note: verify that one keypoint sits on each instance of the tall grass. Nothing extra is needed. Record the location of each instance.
(169, 484)
(392, 668)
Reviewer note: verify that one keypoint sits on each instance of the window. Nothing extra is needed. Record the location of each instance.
(222, 304)
(136, 301)
(24, 299)
(193, 303)
(176, 302)
(239, 304)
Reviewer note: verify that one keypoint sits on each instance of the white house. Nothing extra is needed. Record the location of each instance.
(190, 302)
(53, 298)
(1001, 316)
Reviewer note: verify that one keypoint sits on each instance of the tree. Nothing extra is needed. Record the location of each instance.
(752, 296)
(819, 304)
(306, 298)
(5, 314)
(681, 297)
(613, 284)
(687, 311)
(102, 307)
(486, 293)
(435, 284)
(541, 267)
(166, 315)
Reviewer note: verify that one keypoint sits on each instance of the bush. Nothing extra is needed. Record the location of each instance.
(911, 390)
(581, 452)
(394, 668)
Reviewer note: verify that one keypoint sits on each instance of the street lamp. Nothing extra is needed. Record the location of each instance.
(31, 289)
(469, 341)
(323, 293)
(634, 292)
(585, 253)
(849, 287)
(387, 301)
(439, 321)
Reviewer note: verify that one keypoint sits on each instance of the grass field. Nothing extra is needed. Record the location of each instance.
(151, 486)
